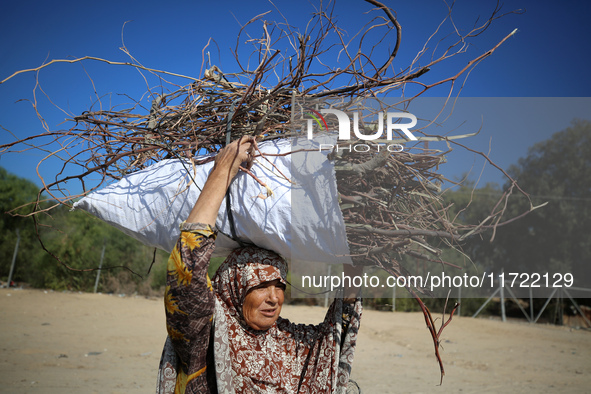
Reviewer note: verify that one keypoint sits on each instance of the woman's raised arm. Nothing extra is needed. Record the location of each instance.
(189, 299)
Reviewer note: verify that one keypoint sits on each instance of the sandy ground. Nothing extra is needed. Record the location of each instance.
(54, 342)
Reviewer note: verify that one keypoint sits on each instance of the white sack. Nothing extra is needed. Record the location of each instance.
(150, 204)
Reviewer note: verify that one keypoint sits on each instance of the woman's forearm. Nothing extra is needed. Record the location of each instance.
(351, 293)
(212, 194)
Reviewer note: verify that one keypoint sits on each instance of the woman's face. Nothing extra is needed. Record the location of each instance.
(262, 304)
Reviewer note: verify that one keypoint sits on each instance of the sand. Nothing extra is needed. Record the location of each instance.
(54, 342)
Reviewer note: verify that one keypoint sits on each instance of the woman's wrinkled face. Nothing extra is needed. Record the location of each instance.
(262, 304)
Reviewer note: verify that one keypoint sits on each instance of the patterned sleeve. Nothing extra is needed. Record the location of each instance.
(189, 303)
(330, 344)
(350, 313)
(344, 313)
(349, 317)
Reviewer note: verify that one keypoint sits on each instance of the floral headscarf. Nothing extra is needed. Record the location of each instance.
(286, 358)
(242, 270)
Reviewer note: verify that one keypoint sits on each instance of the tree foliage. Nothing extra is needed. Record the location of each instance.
(558, 236)
(74, 237)
(555, 238)
(14, 192)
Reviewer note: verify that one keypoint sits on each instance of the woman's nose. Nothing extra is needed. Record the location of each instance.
(272, 294)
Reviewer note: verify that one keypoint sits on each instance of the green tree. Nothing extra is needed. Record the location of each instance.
(76, 238)
(556, 237)
(472, 205)
(15, 192)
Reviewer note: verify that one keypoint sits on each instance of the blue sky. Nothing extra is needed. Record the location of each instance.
(548, 57)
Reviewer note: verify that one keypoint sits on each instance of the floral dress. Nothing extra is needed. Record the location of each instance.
(210, 348)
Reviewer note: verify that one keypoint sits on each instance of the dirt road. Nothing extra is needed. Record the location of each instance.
(54, 342)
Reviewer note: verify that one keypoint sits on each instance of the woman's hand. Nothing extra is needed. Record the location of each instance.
(231, 157)
(227, 163)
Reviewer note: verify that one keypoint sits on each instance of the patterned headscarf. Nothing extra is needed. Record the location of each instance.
(286, 358)
(242, 270)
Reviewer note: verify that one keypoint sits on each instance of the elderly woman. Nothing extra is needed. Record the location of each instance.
(226, 335)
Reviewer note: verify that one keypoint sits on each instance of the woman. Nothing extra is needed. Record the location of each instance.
(226, 336)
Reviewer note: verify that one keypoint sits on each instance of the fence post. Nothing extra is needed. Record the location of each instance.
(98, 273)
(531, 306)
(18, 241)
(502, 288)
